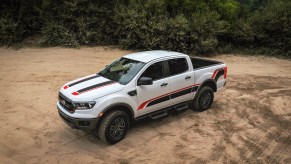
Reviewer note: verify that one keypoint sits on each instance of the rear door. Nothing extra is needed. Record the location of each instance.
(154, 97)
(181, 80)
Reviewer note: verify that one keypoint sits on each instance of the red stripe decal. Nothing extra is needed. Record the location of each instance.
(225, 72)
(77, 93)
(214, 73)
(144, 104)
(65, 87)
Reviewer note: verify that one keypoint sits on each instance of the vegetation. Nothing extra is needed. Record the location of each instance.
(191, 26)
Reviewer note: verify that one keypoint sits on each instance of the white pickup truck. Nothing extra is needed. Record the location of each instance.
(144, 84)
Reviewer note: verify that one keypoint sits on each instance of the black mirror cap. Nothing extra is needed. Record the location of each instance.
(145, 81)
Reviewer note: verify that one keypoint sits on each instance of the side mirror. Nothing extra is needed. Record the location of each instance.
(145, 81)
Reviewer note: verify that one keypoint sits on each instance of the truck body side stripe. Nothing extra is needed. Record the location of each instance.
(169, 96)
(157, 101)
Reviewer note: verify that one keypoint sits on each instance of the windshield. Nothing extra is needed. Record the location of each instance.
(122, 70)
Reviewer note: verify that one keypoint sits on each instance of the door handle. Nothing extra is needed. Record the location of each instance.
(187, 77)
(164, 84)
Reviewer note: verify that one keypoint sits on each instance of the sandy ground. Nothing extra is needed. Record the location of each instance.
(249, 122)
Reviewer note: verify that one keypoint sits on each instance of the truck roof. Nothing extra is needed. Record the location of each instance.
(148, 56)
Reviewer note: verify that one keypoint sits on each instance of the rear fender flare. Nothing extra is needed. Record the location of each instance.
(209, 82)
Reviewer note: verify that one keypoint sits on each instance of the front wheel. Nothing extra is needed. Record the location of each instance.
(204, 99)
(113, 127)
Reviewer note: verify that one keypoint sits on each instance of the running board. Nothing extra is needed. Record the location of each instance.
(158, 115)
(181, 107)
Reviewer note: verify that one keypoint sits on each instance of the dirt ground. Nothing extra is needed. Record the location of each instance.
(249, 122)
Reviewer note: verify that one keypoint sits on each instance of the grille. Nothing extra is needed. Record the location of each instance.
(66, 103)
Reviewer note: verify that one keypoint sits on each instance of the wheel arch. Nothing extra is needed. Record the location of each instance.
(119, 106)
(210, 83)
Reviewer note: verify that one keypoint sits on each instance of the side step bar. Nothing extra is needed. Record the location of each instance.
(158, 115)
(181, 107)
(178, 108)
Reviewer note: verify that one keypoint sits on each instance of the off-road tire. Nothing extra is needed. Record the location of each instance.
(108, 121)
(204, 93)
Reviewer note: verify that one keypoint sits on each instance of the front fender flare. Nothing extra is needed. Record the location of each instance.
(119, 104)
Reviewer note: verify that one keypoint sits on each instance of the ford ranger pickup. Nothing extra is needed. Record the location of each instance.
(138, 85)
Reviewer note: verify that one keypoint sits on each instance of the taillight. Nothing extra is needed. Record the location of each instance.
(225, 72)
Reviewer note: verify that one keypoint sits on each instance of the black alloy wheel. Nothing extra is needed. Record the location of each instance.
(113, 126)
(203, 99)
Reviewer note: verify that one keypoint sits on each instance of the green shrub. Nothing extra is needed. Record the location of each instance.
(55, 34)
(272, 26)
(9, 32)
(205, 28)
(197, 26)
(147, 26)
(239, 33)
(177, 34)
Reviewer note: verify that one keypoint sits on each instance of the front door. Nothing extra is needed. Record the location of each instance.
(154, 97)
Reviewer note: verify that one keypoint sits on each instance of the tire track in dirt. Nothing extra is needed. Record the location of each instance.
(260, 117)
(13, 154)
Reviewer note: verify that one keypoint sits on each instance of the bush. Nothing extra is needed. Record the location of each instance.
(205, 28)
(148, 26)
(272, 26)
(197, 26)
(239, 33)
(55, 34)
(9, 32)
(177, 34)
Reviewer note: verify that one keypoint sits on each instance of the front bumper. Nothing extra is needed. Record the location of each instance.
(79, 123)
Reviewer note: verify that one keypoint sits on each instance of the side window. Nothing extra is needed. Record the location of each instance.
(178, 65)
(155, 71)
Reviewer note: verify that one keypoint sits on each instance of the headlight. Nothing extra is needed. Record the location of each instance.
(84, 105)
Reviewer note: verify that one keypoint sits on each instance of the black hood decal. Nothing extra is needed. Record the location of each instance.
(103, 84)
(83, 80)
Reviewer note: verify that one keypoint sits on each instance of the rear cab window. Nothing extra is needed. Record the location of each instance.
(159, 70)
(178, 66)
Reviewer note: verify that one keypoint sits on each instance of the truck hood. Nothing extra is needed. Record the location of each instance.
(89, 88)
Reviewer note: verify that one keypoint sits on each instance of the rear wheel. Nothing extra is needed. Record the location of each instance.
(204, 99)
(113, 127)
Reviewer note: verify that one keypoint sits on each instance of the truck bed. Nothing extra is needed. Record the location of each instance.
(202, 63)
